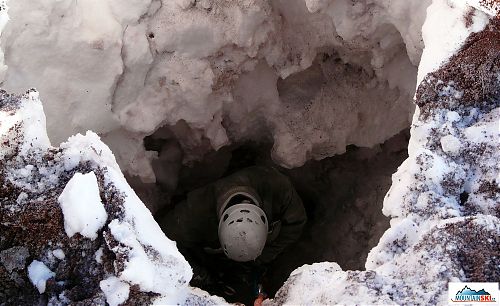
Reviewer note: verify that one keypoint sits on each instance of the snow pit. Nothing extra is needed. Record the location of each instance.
(186, 92)
(343, 197)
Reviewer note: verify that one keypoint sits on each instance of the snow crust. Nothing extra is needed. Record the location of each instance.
(115, 290)
(38, 274)
(81, 205)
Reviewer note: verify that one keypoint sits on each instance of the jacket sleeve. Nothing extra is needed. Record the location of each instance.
(293, 218)
(174, 225)
(192, 223)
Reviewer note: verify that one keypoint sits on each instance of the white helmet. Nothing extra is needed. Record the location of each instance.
(243, 231)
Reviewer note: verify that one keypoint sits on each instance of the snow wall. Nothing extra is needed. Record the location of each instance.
(311, 76)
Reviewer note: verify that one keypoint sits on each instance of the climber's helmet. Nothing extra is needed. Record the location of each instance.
(243, 230)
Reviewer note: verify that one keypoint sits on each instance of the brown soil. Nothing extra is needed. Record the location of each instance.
(33, 226)
(473, 70)
(476, 251)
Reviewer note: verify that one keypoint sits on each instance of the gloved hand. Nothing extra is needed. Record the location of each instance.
(261, 296)
(258, 301)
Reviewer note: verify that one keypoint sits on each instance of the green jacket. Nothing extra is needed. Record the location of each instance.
(194, 223)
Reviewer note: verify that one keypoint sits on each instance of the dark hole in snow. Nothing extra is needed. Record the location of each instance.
(239, 220)
(245, 211)
(225, 217)
(464, 196)
(342, 195)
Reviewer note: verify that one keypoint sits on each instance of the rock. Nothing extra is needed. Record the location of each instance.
(14, 258)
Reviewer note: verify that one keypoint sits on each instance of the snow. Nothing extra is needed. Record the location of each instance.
(491, 7)
(450, 144)
(150, 274)
(116, 291)
(38, 274)
(195, 296)
(8, 121)
(59, 254)
(82, 207)
(80, 148)
(4, 18)
(151, 64)
(416, 276)
(326, 284)
(150, 261)
(139, 268)
(33, 136)
(98, 255)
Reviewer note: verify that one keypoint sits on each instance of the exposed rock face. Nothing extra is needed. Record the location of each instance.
(52, 255)
(444, 199)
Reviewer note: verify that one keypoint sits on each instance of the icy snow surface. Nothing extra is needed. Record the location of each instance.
(81, 205)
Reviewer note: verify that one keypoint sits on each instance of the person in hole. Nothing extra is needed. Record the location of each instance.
(232, 229)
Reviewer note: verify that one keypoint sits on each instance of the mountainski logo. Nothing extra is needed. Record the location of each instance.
(468, 295)
(473, 293)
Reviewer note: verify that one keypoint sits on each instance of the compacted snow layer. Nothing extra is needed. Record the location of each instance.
(218, 72)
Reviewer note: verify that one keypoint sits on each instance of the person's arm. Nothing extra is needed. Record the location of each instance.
(293, 219)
